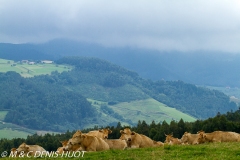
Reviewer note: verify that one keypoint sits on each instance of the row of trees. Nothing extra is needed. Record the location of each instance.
(226, 122)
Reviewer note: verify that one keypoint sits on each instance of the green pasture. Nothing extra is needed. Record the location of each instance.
(27, 70)
(149, 110)
(103, 118)
(219, 151)
(2, 115)
(10, 133)
(211, 151)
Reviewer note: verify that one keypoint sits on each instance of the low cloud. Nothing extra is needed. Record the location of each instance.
(157, 24)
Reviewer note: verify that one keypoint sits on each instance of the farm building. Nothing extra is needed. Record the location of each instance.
(31, 63)
(47, 61)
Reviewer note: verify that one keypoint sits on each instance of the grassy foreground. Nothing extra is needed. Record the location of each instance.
(212, 151)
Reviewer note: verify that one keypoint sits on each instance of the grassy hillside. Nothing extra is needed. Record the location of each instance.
(27, 70)
(10, 131)
(211, 151)
(149, 110)
(3, 115)
(129, 113)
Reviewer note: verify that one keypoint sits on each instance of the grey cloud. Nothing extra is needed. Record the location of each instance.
(164, 25)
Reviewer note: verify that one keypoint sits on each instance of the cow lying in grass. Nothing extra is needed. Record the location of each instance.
(135, 140)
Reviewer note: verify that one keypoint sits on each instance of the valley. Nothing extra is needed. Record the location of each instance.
(100, 94)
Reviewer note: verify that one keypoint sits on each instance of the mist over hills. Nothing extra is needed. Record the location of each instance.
(201, 67)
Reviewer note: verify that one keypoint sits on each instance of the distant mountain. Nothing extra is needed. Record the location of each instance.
(201, 68)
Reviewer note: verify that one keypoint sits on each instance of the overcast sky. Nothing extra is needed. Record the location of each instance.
(183, 25)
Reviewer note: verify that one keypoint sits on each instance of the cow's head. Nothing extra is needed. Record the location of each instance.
(70, 146)
(105, 132)
(169, 137)
(76, 138)
(184, 138)
(64, 143)
(23, 148)
(201, 137)
(127, 134)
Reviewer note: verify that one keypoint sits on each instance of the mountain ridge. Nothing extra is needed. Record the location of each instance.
(196, 67)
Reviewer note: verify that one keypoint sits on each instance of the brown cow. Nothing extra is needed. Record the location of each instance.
(135, 140)
(189, 138)
(14, 153)
(64, 144)
(101, 133)
(171, 140)
(72, 147)
(116, 143)
(158, 143)
(218, 136)
(89, 143)
(30, 149)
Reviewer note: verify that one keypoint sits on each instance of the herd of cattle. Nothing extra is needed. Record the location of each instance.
(98, 141)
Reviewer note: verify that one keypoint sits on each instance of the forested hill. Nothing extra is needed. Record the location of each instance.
(196, 101)
(58, 101)
(42, 105)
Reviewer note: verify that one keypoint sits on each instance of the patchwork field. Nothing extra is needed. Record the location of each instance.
(30, 70)
(149, 110)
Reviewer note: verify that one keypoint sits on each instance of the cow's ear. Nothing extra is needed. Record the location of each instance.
(200, 131)
(185, 132)
(100, 130)
(133, 133)
(84, 136)
(79, 132)
(109, 131)
(121, 131)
